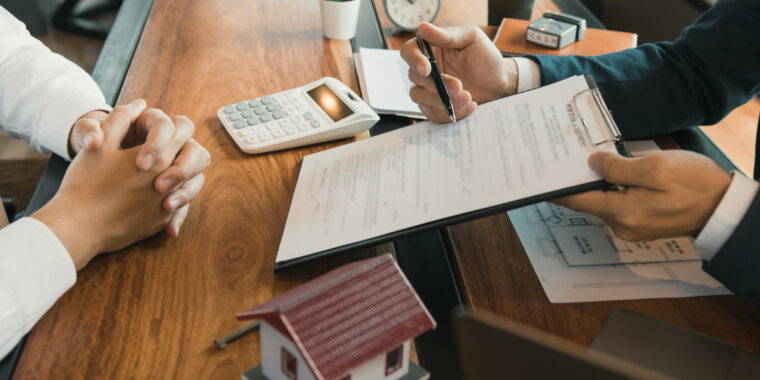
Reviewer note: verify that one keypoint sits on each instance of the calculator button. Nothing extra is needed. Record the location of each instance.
(252, 121)
(315, 124)
(308, 115)
(241, 106)
(272, 107)
(264, 118)
(264, 137)
(259, 110)
(303, 127)
(272, 126)
(278, 133)
(266, 100)
(229, 109)
(291, 130)
(247, 113)
(234, 117)
(253, 103)
(251, 140)
(278, 114)
(240, 124)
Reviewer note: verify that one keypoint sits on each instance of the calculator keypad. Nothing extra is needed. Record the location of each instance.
(270, 118)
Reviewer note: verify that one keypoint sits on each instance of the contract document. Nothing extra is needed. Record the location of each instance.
(511, 152)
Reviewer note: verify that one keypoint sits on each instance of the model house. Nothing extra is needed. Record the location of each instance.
(355, 322)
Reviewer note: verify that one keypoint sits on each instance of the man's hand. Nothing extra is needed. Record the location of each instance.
(474, 70)
(106, 203)
(87, 133)
(671, 193)
(153, 131)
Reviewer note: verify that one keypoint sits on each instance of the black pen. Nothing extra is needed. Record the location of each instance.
(443, 93)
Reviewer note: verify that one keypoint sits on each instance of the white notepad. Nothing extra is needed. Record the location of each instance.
(384, 81)
(511, 152)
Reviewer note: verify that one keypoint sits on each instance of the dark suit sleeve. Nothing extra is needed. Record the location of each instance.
(737, 264)
(654, 89)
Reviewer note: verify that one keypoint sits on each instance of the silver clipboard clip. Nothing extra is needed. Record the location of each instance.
(612, 128)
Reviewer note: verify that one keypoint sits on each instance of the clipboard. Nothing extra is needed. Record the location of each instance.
(611, 133)
(612, 128)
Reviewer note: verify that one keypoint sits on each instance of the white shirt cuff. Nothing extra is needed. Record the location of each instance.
(36, 268)
(528, 74)
(727, 216)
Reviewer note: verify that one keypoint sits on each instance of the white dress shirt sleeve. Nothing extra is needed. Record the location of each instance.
(726, 217)
(41, 96)
(35, 270)
(41, 93)
(528, 74)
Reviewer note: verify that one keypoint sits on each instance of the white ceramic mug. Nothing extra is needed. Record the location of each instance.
(339, 18)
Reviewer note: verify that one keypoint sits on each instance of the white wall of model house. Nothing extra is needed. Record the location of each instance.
(375, 368)
(272, 342)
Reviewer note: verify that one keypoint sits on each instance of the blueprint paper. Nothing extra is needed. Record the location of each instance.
(577, 259)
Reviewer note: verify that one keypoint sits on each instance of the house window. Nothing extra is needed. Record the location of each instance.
(288, 364)
(393, 360)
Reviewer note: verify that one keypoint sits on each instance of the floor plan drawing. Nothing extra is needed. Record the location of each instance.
(577, 259)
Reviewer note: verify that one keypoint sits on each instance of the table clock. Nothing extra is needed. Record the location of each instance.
(407, 14)
(556, 30)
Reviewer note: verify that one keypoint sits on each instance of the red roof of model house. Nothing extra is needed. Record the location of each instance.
(348, 316)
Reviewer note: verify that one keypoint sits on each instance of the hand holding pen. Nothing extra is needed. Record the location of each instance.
(440, 87)
(472, 69)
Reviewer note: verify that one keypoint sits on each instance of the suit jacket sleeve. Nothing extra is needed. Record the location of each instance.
(659, 88)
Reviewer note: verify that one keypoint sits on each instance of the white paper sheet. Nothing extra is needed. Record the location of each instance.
(510, 149)
(578, 259)
(385, 84)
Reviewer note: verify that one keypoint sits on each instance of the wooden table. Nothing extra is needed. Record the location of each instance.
(154, 309)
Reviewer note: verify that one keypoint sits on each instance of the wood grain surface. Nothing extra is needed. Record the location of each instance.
(154, 309)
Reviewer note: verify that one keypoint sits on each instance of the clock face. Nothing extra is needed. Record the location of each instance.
(407, 14)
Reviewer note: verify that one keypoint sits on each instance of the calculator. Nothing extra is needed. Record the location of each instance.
(319, 111)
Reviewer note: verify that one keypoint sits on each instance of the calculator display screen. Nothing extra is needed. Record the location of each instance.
(330, 103)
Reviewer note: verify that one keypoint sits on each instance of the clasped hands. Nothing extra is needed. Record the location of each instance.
(134, 173)
(670, 193)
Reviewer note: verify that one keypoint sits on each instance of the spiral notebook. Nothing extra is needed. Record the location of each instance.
(511, 152)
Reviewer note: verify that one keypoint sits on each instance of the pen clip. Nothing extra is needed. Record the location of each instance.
(425, 48)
